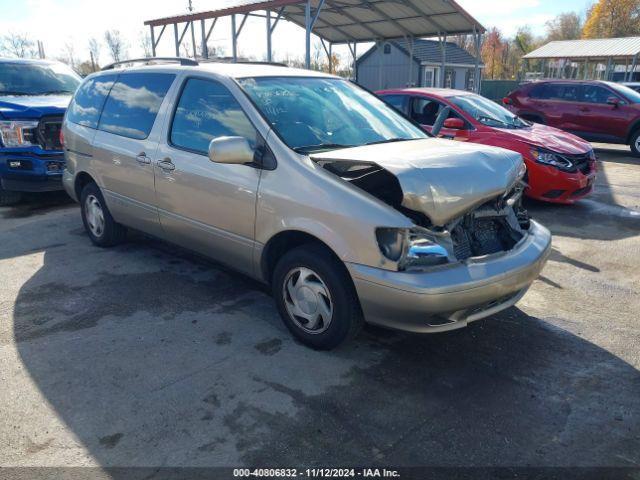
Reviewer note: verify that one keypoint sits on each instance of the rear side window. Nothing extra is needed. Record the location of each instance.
(568, 93)
(133, 104)
(87, 104)
(539, 91)
(207, 110)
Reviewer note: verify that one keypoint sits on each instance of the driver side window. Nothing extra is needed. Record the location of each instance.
(597, 94)
(208, 110)
(425, 111)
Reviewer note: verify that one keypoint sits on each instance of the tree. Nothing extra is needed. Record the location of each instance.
(94, 51)
(492, 52)
(116, 44)
(17, 45)
(612, 18)
(566, 26)
(145, 44)
(69, 54)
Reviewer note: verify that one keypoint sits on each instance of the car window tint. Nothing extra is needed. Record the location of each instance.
(596, 94)
(87, 103)
(424, 110)
(208, 110)
(398, 102)
(133, 104)
(539, 91)
(568, 93)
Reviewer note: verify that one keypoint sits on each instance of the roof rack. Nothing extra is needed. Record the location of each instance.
(182, 61)
(241, 62)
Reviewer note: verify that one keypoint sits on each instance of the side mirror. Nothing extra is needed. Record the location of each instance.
(614, 101)
(507, 101)
(230, 150)
(454, 123)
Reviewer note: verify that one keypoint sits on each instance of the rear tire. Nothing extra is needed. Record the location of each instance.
(102, 229)
(316, 297)
(634, 144)
(8, 198)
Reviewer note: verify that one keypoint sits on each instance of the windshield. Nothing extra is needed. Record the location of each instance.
(487, 112)
(315, 114)
(628, 93)
(34, 79)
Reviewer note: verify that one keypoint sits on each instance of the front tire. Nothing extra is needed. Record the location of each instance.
(102, 229)
(316, 297)
(635, 143)
(8, 198)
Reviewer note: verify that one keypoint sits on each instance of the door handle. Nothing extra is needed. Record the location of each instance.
(585, 109)
(166, 165)
(143, 159)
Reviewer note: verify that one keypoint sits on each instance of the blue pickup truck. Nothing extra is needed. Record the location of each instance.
(34, 95)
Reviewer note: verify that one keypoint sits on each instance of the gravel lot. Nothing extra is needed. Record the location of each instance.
(145, 355)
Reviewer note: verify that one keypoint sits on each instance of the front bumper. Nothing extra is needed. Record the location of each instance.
(552, 185)
(21, 171)
(450, 297)
(51, 183)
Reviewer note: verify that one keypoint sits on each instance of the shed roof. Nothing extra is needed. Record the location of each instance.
(595, 49)
(428, 51)
(343, 21)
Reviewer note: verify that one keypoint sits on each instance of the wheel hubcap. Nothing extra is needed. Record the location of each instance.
(95, 215)
(637, 143)
(308, 300)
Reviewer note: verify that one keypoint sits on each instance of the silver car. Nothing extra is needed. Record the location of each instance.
(308, 183)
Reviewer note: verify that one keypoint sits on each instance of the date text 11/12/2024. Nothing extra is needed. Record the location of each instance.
(316, 473)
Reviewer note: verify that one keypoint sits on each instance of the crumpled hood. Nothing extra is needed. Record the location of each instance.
(440, 178)
(35, 107)
(550, 138)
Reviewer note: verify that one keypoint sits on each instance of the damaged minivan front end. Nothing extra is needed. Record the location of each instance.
(472, 250)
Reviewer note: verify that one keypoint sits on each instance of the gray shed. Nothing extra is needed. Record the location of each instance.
(388, 65)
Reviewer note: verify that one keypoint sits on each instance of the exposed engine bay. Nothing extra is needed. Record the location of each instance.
(496, 225)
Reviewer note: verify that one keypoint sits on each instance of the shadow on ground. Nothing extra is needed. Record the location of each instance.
(36, 204)
(154, 358)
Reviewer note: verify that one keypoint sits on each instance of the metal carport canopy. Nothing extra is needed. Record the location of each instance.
(350, 21)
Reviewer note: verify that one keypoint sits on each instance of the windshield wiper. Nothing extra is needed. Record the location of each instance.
(491, 119)
(391, 140)
(53, 92)
(321, 146)
(9, 92)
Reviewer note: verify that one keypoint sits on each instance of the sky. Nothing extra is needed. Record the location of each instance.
(58, 23)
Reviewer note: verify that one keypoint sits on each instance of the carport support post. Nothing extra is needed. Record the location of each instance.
(175, 33)
(410, 82)
(153, 41)
(476, 74)
(269, 48)
(586, 68)
(633, 67)
(205, 51)
(307, 23)
(443, 48)
(234, 39)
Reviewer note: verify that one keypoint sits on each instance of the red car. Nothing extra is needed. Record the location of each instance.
(561, 167)
(594, 110)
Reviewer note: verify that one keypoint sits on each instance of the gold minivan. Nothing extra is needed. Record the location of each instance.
(308, 183)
